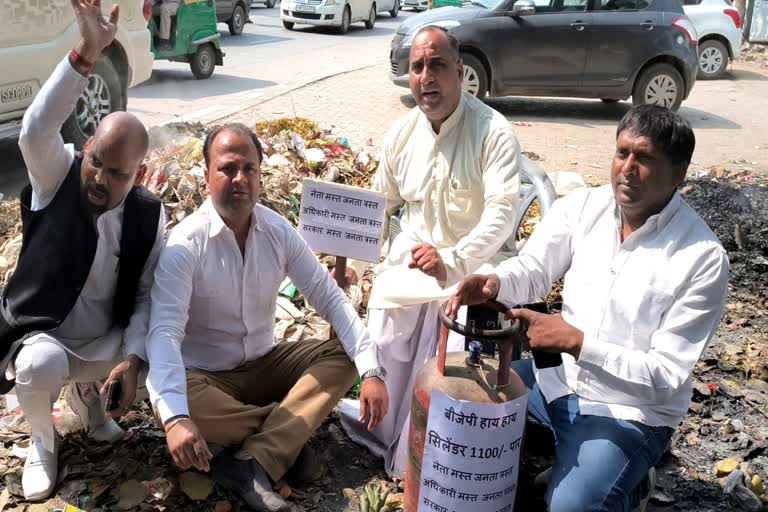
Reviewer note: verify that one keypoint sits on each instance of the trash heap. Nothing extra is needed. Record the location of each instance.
(755, 52)
(294, 148)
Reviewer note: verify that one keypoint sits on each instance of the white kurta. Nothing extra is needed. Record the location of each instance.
(459, 189)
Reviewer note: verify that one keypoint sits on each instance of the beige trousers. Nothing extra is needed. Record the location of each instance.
(271, 406)
(166, 10)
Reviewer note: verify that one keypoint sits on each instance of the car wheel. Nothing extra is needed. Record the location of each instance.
(660, 84)
(288, 25)
(371, 21)
(609, 100)
(346, 20)
(270, 4)
(713, 60)
(203, 61)
(395, 9)
(105, 93)
(237, 22)
(475, 81)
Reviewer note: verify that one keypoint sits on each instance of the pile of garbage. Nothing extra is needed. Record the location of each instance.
(754, 52)
(294, 148)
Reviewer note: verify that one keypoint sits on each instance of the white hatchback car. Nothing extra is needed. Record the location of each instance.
(335, 13)
(719, 27)
(36, 36)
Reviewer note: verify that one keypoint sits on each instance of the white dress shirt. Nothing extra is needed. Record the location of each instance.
(459, 187)
(647, 306)
(88, 332)
(214, 309)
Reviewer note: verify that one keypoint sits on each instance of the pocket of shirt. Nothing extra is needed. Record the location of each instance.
(460, 201)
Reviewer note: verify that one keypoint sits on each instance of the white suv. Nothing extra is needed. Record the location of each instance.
(719, 27)
(35, 36)
(335, 13)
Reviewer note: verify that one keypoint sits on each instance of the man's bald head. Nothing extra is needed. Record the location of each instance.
(125, 130)
(113, 161)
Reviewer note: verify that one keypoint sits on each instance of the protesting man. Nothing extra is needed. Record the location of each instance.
(213, 310)
(77, 306)
(453, 163)
(645, 287)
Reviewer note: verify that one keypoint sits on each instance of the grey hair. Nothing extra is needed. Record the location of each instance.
(454, 43)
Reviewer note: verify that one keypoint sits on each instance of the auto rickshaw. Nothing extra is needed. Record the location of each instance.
(194, 37)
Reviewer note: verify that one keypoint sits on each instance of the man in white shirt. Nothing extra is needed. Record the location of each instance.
(77, 306)
(213, 310)
(453, 163)
(645, 286)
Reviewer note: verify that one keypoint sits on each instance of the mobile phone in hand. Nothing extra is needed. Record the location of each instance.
(114, 392)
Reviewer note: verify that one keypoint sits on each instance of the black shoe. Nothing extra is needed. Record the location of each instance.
(247, 479)
(163, 45)
(306, 469)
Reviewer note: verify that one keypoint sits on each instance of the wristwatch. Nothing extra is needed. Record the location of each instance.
(379, 372)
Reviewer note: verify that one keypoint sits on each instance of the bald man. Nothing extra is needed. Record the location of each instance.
(76, 309)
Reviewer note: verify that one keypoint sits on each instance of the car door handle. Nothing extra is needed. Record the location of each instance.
(578, 25)
(647, 25)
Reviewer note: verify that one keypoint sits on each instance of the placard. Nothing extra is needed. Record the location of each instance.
(471, 455)
(342, 220)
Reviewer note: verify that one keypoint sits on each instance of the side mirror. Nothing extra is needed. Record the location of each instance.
(523, 8)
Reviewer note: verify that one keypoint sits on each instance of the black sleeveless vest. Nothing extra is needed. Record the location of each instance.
(57, 251)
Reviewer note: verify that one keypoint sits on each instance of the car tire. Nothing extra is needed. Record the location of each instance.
(371, 21)
(288, 24)
(713, 60)
(475, 78)
(346, 20)
(660, 84)
(395, 10)
(237, 23)
(270, 4)
(203, 62)
(104, 94)
(609, 100)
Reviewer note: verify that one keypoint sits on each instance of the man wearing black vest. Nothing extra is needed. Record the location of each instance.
(77, 307)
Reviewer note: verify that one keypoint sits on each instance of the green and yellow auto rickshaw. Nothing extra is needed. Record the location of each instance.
(194, 36)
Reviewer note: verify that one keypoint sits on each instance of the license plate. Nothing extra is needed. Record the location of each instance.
(17, 92)
(304, 8)
(411, 2)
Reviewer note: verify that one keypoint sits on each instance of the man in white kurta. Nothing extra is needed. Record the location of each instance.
(87, 346)
(453, 164)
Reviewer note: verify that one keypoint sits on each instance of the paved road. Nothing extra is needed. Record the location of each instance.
(265, 61)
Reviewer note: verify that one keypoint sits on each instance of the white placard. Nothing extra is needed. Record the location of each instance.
(342, 220)
(471, 455)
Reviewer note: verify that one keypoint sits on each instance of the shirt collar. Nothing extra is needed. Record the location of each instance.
(217, 223)
(450, 122)
(657, 221)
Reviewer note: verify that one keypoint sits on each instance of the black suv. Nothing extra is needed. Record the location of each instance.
(607, 49)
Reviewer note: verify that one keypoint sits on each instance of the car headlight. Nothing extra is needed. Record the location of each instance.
(446, 24)
(330, 3)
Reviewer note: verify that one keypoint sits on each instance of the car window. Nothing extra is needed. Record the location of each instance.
(553, 6)
(624, 5)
